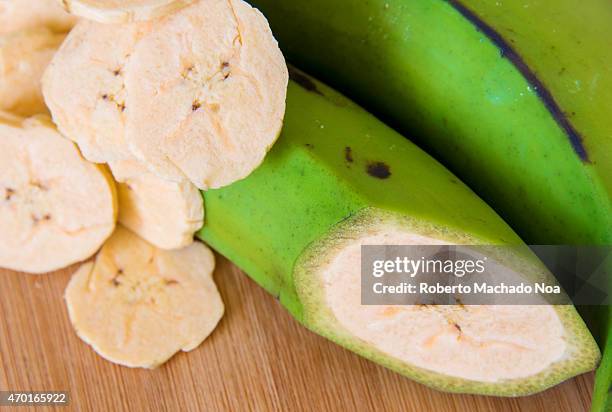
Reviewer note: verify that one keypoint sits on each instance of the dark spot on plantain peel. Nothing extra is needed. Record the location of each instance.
(379, 170)
(304, 81)
(348, 154)
(506, 51)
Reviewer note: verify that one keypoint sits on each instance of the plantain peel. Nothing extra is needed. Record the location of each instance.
(137, 305)
(164, 213)
(55, 207)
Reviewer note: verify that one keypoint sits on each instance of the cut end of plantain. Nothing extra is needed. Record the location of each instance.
(137, 305)
(164, 213)
(55, 207)
(24, 56)
(507, 350)
(122, 11)
(17, 15)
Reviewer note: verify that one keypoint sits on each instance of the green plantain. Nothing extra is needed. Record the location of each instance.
(513, 96)
(338, 178)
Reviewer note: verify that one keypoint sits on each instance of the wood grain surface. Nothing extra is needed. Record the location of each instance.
(258, 359)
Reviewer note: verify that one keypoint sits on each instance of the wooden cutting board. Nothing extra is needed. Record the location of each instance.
(257, 359)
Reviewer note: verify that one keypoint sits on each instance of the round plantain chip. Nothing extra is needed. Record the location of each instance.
(137, 305)
(215, 106)
(24, 55)
(85, 91)
(123, 11)
(55, 207)
(26, 14)
(164, 213)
